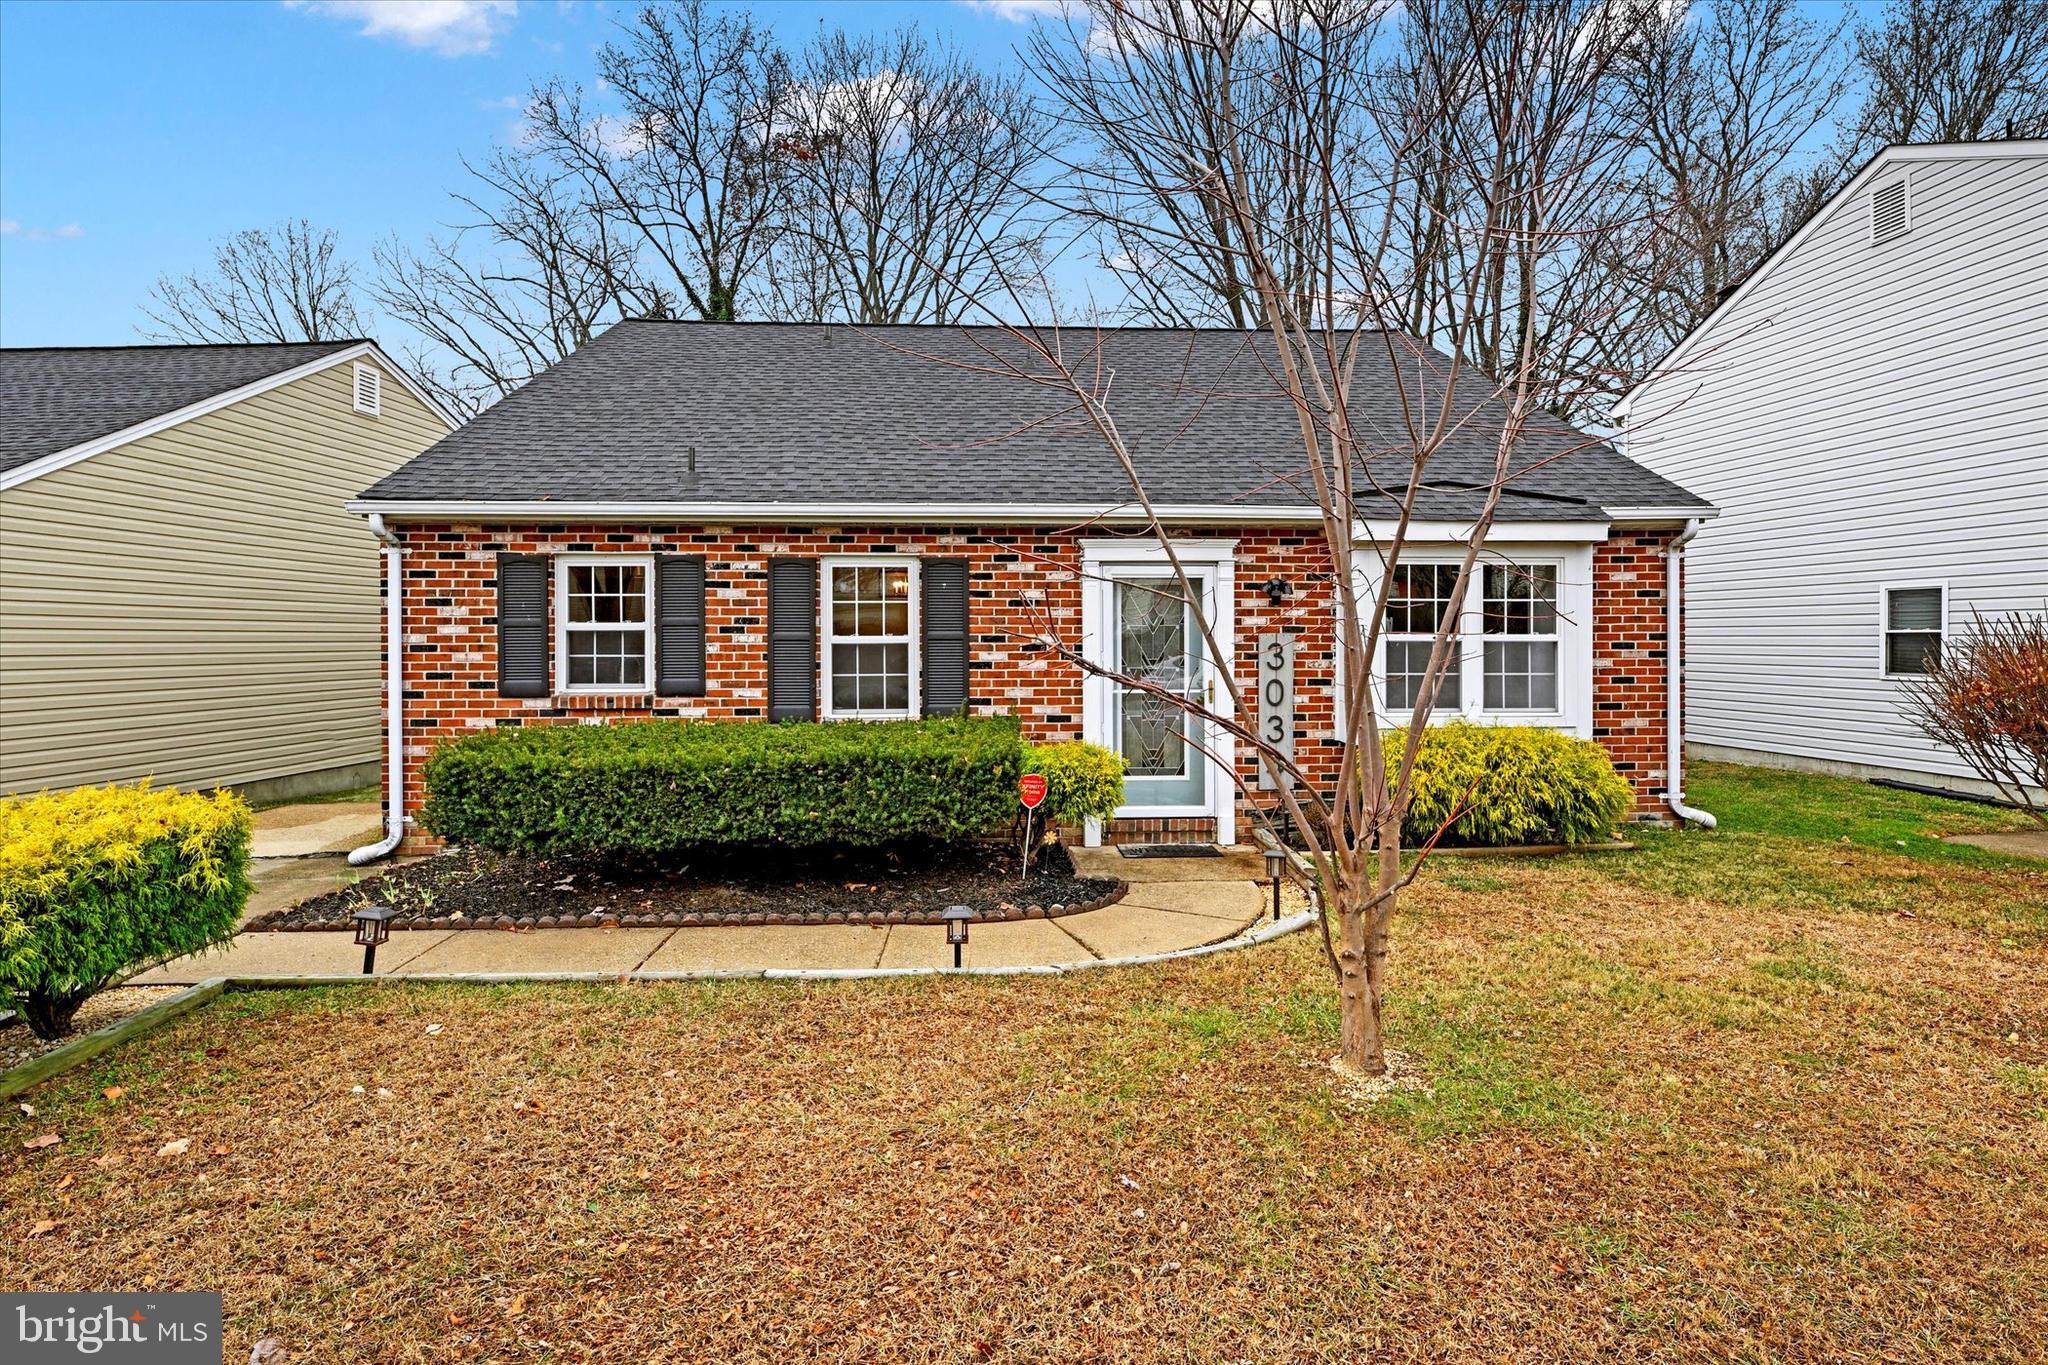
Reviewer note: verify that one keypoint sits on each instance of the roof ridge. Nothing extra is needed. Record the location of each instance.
(197, 345)
(979, 326)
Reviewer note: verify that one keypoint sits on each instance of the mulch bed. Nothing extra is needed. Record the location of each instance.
(475, 889)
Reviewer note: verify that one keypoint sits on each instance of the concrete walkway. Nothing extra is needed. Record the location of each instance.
(2026, 843)
(1174, 903)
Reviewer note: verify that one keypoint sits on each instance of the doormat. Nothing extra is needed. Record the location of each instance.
(1169, 850)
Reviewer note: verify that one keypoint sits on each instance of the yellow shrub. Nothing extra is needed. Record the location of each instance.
(1511, 784)
(95, 881)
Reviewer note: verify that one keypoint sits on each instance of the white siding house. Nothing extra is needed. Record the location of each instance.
(1870, 412)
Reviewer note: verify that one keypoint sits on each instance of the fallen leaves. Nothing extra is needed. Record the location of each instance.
(37, 1143)
(43, 1225)
(112, 1092)
(175, 1147)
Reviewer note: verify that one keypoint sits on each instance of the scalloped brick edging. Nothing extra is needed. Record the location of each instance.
(674, 919)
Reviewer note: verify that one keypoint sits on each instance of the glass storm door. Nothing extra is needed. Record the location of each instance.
(1159, 640)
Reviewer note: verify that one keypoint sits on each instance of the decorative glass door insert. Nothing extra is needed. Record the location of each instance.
(1158, 640)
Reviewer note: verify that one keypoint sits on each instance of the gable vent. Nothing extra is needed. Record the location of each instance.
(369, 391)
(1888, 212)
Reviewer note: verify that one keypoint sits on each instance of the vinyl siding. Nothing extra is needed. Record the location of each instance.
(195, 606)
(1864, 416)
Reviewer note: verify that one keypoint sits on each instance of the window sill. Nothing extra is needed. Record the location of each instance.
(603, 701)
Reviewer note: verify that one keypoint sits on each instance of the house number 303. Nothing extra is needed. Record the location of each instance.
(1276, 698)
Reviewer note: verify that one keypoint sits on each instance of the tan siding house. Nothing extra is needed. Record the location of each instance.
(189, 601)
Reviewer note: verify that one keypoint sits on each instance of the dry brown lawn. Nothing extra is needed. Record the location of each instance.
(1659, 1127)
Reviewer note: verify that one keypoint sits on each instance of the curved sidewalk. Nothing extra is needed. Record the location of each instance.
(1173, 905)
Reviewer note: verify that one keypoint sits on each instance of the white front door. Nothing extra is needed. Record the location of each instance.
(1138, 624)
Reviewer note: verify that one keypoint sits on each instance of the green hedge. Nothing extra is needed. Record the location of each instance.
(666, 787)
(100, 880)
(1523, 785)
(1080, 780)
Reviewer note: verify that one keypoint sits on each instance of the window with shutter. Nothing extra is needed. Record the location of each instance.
(604, 623)
(870, 652)
(792, 639)
(522, 625)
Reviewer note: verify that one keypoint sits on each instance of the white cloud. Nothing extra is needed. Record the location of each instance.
(11, 228)
(1019, 11)
(452, 28)
(502, 102)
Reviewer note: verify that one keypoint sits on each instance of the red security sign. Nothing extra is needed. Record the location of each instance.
(1031, 790)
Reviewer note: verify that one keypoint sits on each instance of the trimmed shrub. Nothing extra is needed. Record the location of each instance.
(666, 787)
(1517, 785)
(100, 880)
(1080, 780)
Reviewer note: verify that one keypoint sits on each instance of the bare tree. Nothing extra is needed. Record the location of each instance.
(689, 164)
(266, 285)
(907, 181)
(533, 272)
(1725, 95)
(1136, 127)
(1935, 71)
(1985, 695)
(1518, 100)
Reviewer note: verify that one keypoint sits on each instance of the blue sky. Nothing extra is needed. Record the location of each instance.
(132, 135)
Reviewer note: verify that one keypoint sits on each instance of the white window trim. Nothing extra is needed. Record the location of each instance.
(827, 638)
(1218, 559)
(357, 373)
(1574, 564)
(1884, 622)
(563, 563)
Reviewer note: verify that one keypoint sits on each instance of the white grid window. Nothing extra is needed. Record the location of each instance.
(1519, 621)
(1913, 625)
(1420, 600)
(870, 653)
(603, 640)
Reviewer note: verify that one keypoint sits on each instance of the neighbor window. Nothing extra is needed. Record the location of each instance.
(602, 637)
(869, 655)
(1417, 607)
(1913, 619)
(1519, 621)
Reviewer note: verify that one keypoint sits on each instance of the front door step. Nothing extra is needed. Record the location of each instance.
(1169, 850)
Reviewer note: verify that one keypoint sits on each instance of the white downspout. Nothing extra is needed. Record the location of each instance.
(1674, 734)
(394, 687)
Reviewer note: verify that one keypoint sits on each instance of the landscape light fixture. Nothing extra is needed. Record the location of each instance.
(1276, 863)
(956, 917)
(373, 926)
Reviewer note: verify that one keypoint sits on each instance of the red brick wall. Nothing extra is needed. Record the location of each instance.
(1024, 587)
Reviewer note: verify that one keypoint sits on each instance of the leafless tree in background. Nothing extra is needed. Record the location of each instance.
(1725, 93)
(267, 284)
(689, 166)
(906, 180)
(534, 272)
(1935, 71)
(1518, 102)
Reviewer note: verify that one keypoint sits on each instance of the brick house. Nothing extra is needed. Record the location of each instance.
(771, 521)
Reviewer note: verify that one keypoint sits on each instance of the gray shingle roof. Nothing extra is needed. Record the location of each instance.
(54, 398)
(806, 414)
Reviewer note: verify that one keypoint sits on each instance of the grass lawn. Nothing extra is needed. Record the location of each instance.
(1775, 1094)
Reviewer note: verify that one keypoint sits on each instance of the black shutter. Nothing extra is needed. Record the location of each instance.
(679, 625)
(945, 636)
(523, 625)
(792, 639)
